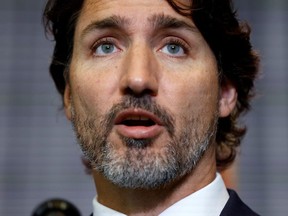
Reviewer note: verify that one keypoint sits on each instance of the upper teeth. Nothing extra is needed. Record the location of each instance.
(141, 118)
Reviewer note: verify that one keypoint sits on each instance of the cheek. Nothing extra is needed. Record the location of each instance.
(92, 90)
(194, 85)
(194, 96)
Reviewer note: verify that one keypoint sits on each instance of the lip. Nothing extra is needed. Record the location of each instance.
(138, 132)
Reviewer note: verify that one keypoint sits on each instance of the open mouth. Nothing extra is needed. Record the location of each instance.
(138, 124)
(138, 121)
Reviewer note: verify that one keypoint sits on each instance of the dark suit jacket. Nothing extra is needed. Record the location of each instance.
(234, 207)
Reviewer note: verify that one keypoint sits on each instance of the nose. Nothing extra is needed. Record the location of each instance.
(140, 72)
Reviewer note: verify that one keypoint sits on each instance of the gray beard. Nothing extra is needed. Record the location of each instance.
(139, 167)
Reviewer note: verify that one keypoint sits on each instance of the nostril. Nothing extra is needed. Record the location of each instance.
(143, 92)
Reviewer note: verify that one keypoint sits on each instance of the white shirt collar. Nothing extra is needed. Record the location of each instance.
(209, 201)
(101, 210)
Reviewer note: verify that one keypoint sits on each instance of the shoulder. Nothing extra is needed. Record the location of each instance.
(236, 207)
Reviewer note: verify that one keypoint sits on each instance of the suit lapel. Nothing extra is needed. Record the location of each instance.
(236, 207)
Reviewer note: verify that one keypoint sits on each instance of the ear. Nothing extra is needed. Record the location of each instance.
(67, 101)
(228, 98)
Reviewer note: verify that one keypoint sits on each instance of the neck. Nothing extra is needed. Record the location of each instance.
(140, 202)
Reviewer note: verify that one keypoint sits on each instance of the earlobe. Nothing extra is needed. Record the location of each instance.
(228, 98)
(67, 101)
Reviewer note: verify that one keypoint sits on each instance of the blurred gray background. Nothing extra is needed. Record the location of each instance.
(39, 158)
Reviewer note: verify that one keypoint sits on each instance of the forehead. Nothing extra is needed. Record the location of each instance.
(137, 11)
(105, 4)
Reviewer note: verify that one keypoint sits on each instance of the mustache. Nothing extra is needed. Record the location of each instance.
(146, 103)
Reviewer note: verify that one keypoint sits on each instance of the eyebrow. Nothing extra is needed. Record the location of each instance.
(158, 21)
(116, 22)
(161, 21)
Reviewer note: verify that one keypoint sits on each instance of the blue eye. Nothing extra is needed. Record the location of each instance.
(173, 49)
(105, 48)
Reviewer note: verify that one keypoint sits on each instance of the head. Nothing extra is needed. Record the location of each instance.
(192, 83)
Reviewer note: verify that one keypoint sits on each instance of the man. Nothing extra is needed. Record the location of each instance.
(154, 90)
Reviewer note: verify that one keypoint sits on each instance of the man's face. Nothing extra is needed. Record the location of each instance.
(143, 91)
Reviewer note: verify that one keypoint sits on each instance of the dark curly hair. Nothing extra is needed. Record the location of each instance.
(227, 37)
